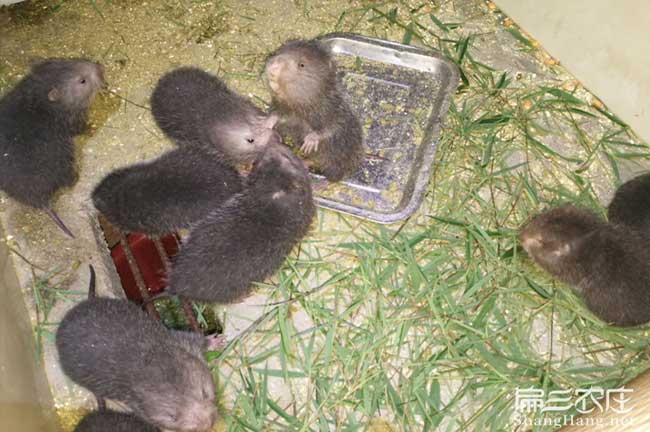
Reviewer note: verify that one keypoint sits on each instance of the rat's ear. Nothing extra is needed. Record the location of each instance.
(259, 121)
(158, 365)
(54, 95)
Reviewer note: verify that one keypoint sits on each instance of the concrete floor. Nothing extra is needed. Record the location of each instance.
(25, 400)
(603, 43)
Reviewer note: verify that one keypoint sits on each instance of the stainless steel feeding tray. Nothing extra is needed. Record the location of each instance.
(401, 94)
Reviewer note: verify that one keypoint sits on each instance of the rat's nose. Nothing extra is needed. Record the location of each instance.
(99, 71)
(530, 242)
(205, 425)
(274, 138)
(274, 66)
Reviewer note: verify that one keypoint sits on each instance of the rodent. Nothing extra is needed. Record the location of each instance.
(631, 204)
(113, 421)
(196, 107)
(173, 191)
(115, 350)
(309, 106)
(607, 263)
(248, 238)
(39, 118)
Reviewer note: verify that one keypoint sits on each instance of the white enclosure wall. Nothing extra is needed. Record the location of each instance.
(605, 43)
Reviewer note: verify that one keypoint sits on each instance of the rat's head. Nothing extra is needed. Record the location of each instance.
(280, 178)
(553, 236)
(177, 392)
(244, 139)
(279, 161)
(300, 72)
(70, 83)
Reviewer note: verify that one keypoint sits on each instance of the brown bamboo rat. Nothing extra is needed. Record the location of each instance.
(193, 106)
(173, 191)
(631, 204)
(115, 350)
(113, 421)
(248, 238)
(310, 107)
(608, 264)
(39, 118)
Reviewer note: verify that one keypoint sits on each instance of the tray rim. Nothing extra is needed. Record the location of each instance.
(433, 129)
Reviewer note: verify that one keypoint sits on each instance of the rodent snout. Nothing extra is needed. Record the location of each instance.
(275, 67)
(213, 418)
(197, 418)
(274, 138)
(530, 242)
(98, 75)
(205, 424)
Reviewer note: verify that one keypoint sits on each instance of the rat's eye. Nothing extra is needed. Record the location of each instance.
(82, 81)
(302, 65)
(250, 140)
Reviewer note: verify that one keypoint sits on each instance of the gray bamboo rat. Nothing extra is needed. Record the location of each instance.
(248, 238)
(311, 109)
(608, 264)
(193, 106)
(631, 204)
(115, 350)
(173, 191)
(113, 421)
(39, 118)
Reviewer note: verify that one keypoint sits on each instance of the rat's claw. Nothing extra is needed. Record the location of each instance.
(310, 144)
(216, 342)
(320, 185)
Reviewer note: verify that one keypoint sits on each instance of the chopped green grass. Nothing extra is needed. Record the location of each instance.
(48, 288)
(435, 324)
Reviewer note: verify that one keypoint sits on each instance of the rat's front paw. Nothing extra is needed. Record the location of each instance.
(310, 144)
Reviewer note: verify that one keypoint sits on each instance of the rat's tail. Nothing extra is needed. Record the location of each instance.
(101, 403)
(57, 220)
(91, 284)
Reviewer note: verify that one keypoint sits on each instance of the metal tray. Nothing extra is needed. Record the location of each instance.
(401, 94)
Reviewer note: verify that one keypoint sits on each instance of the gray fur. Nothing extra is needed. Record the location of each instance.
(112, 348)
(309, 100)
(112, 421)
(248, 238)
(39, 118)
(608, 264)
(173, 191)
(194, 107)
(631, 204)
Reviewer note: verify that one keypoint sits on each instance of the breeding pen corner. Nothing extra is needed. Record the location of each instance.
(26, 401)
